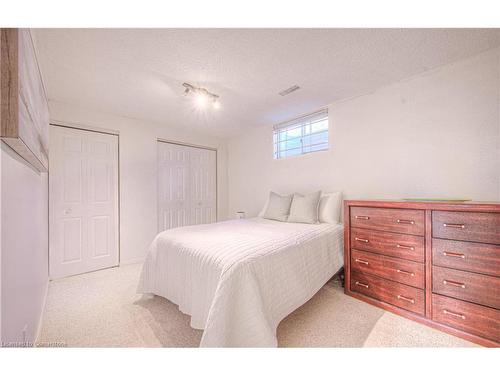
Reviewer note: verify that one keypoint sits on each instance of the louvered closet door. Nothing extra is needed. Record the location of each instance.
(83, 201)
(186, 186)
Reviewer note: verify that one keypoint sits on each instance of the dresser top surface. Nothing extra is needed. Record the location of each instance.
(427, 205)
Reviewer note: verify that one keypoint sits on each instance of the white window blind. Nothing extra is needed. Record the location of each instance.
(302, 135)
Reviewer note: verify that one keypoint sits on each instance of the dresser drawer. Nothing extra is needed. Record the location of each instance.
(477, 320)
(466, 226)
(402, 271)
(466, 286)
(404, 246)
(467, 256)
(388, 219)
(397, 294)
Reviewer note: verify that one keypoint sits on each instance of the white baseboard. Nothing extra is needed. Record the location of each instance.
(124, 262)
(40, 320)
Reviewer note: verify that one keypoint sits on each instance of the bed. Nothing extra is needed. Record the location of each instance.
(238, 279)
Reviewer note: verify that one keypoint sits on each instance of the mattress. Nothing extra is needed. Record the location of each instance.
(238, 279)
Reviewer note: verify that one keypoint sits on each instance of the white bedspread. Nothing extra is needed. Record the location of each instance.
(239, 278)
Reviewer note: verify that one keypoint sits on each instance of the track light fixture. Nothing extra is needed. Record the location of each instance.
(201, 96)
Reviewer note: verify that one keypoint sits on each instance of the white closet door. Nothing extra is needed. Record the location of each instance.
(83, 201)
(173, 186)
(186, 186)
(203, 186)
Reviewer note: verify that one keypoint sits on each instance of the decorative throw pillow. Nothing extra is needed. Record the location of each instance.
(330, 205)
(278, 207)
(304, 208)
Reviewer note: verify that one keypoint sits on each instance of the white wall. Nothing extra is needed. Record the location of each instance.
(1, 246)
(138, 171)
(435, 135)
(24, 257)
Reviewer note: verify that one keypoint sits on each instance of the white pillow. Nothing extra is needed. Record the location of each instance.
(278, 207)
(329, 207)
(263, 211)
(304, 208)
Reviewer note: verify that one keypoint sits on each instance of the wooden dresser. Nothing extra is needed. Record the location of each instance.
(434, 262)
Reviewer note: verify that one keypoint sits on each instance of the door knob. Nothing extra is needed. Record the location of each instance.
(67, 211)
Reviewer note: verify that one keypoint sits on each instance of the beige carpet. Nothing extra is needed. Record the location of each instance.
(101, 309)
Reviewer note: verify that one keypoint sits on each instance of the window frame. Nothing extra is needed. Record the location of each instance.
(302, 122)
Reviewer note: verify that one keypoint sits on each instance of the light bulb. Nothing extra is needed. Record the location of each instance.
(201, 100)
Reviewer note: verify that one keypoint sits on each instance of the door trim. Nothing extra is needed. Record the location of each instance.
(216, 171)
(63, 124)
(186, 144)
(93, 130)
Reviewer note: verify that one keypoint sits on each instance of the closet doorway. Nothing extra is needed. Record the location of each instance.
(83, 201)
(187, 185)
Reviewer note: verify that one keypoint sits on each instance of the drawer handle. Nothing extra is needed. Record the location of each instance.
(405, 247)
(361, 284)
(454, 255)
(362, 217)
(361, 261)
(411, 300)
(401, 221)
(454, 283)
(405, 272)
(361, 240)
(446, 312)
(458, 226)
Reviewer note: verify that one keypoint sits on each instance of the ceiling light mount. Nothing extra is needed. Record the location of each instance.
(201, 96)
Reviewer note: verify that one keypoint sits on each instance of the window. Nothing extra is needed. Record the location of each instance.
(302, 135)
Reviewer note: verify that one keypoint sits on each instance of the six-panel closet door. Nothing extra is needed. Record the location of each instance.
(186, 185)
(83, 201)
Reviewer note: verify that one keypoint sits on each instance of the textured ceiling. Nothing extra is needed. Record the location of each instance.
(139, 73)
